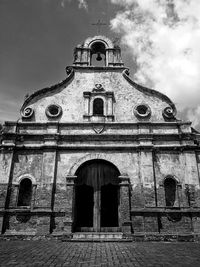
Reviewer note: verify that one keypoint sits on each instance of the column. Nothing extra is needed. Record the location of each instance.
(69, 216)
(109, 114)
(124, 207)
(86, 115)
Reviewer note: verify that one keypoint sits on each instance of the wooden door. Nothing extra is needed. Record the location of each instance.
(96, 197)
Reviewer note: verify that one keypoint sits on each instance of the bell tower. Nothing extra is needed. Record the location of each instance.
(98, 51)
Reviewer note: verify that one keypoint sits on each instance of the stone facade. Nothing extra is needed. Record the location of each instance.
(98, 114)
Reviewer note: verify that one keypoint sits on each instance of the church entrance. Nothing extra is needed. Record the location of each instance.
(96, 205)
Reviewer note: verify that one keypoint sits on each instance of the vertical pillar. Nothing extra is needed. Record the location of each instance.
(69, 214)
(34, 187)
(87, 110)
(14, 195)
(147, 178)
(110, 108)
(44, 188)
(97, 209)
(107, 57)
(5, 221)
(110, 98)
(124, 207)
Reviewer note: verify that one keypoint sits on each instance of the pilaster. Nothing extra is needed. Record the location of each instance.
(124, 207)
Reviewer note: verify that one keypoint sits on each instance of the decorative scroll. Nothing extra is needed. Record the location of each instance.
(168, 113)
(69, 70)
(27, 113)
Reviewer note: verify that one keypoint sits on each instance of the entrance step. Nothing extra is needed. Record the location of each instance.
(97, 236)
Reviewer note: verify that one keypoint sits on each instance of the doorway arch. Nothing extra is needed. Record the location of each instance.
(96, 202)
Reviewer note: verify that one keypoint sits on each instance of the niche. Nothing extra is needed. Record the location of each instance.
(25, 193)
(98, 107)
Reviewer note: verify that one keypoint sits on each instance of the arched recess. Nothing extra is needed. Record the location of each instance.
(21, 193)
(90, 41)
(25, 192)
(74, 168)
(98, 107)
(97, 194)
(172, 198)
(26, 175)
(170, 187)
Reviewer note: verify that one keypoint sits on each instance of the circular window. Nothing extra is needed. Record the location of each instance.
(53, 111)
(142, 111)
(27, 113)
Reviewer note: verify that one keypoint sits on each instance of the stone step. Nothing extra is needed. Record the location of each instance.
(97, 235)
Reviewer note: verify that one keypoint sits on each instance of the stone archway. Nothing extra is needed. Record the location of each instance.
(97, 197)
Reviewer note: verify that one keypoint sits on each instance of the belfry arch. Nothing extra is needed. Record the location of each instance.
(98, 49)
(98, 54)
(97, 197)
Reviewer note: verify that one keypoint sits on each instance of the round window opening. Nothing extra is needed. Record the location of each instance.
(53, 111)
(142, 111)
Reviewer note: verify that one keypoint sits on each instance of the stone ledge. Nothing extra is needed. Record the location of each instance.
(148, 123)
(163, 211)
(136, 148)
(137, 237)
(35, 212)
(151, 237)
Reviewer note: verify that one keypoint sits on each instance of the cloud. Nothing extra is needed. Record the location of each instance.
(163, 38)
(81, 3)
(194, 115)
(63, 2)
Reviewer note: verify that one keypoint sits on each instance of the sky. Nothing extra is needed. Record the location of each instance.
(160, 42)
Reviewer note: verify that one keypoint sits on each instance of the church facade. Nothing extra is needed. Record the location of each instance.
(98, 153)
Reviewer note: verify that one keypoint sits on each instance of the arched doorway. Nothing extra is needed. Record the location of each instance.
(96, 205)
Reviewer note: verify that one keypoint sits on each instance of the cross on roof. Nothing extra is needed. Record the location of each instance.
(98, 24)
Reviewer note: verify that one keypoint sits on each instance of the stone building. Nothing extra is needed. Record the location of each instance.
(99, 153)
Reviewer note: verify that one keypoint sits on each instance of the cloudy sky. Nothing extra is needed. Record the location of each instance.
(160, 41)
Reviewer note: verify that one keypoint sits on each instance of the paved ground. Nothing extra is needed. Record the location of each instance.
(57, 253)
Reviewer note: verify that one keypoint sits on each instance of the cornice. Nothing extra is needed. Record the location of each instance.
(100, 68)
(101, 137)
(113, 147)
(164, 210)
(120, 124)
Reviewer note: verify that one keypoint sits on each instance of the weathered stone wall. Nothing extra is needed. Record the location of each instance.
(183, 167)
(27, 164)
(138, 166)
(39, 167)
(49, 170)
(5, 169)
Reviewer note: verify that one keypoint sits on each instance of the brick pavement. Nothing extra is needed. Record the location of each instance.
(57, 253)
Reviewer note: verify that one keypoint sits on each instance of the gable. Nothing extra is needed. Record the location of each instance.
(127, 96)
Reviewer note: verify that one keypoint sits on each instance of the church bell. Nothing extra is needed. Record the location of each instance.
(99, 58)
